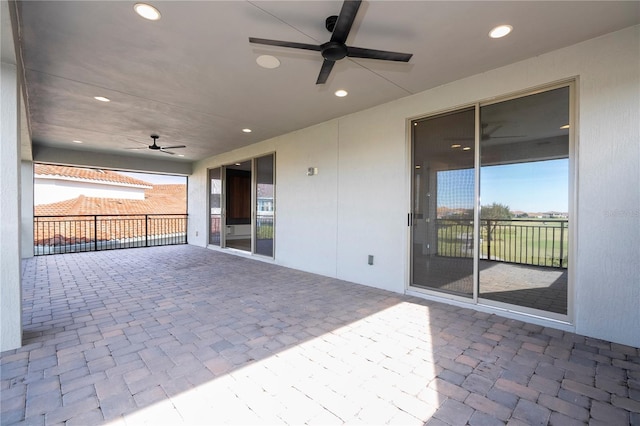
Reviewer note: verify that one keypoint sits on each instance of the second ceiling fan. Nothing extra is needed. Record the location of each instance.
(336, 49)
(156, 147)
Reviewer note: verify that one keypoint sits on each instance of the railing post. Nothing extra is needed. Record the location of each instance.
(95, 232)
(488, 239)
(561, 241)
(146, 230)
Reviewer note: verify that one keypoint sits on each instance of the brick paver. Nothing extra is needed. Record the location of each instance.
(185, 335)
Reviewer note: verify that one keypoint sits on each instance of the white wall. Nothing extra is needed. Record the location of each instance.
(306, 206)
(51, 190)
(327, 223)
(10, 286)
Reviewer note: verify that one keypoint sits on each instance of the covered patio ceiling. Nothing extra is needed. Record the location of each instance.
(192, 76)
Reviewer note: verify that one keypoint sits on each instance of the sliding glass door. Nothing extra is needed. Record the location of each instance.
(490, 205)
(242, 206)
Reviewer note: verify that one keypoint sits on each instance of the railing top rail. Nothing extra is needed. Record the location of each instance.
(519, 219)
(114, 215)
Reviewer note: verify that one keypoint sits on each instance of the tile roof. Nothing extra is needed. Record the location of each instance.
(160, 199)
(88, 174)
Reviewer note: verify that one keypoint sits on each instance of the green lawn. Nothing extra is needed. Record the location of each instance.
(531, 242)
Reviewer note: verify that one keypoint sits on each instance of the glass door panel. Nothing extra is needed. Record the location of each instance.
(237, 211)
(443, 202)
(215, 206)
(265, 205)
(524, 188)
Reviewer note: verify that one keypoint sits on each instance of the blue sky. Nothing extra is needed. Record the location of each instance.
(530, 187)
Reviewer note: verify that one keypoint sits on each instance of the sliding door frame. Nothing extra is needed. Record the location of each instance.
(572, 203)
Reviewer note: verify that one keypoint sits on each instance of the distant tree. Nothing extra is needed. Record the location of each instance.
(495, 212)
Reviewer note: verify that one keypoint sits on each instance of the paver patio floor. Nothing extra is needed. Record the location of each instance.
(186, 335)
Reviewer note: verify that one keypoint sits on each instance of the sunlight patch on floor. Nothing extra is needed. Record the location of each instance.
(368, 371)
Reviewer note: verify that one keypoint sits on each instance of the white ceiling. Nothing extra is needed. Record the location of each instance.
(192, 76)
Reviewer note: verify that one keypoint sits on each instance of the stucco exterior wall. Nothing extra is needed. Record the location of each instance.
(10, 287)
(357, 205)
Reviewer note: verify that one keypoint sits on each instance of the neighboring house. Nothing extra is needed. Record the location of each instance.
(66, 222)
(66, 191)
(59, 183)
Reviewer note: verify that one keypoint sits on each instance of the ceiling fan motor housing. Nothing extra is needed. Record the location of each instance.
(155, 138)
(333, 50)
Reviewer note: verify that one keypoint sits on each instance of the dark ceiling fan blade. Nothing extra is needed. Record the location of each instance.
(345, 20)
(284, 44)
(485, 138)
(359, 52)
(173, 147)
(327, 66)
(142, 147)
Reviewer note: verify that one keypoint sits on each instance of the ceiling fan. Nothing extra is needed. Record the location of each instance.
(336, 49)
(156, 147)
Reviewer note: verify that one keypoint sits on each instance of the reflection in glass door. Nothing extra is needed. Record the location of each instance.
(524, 187)
(443, 200)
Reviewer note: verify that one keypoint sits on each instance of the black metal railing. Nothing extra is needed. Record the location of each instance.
(80, 233)
(538, 242)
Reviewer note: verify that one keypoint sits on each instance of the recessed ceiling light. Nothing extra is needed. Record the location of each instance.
(466, 148)
(101, 99)
(341, 93)
(268, 61)
(238, 164)
(76, 141)
(566, 126)
(246, 130)
(418, 166)
(456, 145)
(180, 155)
(147, 11)
(500, 31)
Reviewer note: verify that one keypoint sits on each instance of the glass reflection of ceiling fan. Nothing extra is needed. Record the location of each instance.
(487, 134)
